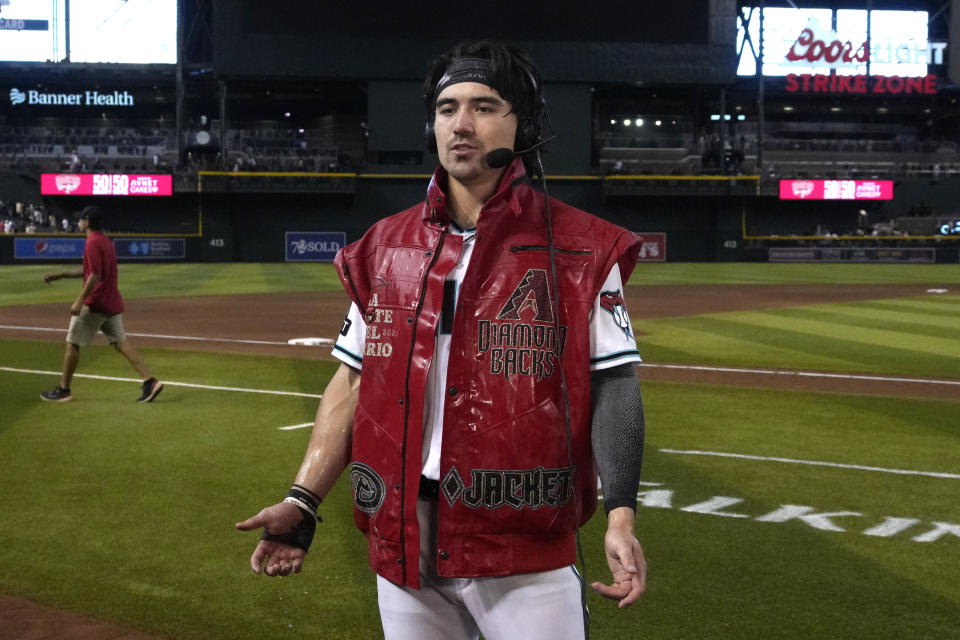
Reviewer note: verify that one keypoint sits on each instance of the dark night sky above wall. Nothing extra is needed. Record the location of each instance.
(598, 41)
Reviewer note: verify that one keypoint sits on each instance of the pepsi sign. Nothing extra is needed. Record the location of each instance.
(40, 248)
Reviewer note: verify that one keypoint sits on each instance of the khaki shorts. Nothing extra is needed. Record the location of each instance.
(83, 328)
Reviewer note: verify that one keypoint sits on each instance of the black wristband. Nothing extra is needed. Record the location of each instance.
(305, 500)
(315, 497)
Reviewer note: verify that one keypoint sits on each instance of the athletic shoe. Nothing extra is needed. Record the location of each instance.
(151, 388)
(57, 394)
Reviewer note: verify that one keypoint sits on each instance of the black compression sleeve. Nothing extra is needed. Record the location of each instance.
(617, 432)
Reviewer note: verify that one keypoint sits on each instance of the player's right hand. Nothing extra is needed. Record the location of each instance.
(50, 277)
(274, 558)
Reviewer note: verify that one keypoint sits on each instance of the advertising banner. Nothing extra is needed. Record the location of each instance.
(40, 248)
(105, 184)
(151, 248)
(653, 247)
(914, 255)
(836, 189)
(313, 246)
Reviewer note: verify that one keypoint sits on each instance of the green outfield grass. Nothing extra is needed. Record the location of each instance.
(917, 336)
(23, 284)
(801, 273)
(125, 512)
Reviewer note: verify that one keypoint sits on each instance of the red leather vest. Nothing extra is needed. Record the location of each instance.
(515, 485)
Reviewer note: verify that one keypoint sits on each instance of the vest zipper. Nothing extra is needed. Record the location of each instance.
(541, 247)
(406, 409)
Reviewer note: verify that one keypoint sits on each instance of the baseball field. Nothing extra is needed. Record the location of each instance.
(801, 476)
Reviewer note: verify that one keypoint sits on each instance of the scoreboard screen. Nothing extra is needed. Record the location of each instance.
(836, 189)
(105, 184)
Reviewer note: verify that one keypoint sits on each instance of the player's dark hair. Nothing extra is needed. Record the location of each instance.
(513, 73)
(94, 217)
(515, 77)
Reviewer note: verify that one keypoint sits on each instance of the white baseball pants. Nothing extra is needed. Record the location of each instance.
(529, 606)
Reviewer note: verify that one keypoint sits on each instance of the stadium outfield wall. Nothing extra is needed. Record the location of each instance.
(237, 221)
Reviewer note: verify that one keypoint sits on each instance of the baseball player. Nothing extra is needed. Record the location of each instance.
(99, 307)
(487, 377)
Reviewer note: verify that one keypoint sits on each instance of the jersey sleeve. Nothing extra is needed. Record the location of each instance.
(612, 342)
(350, 341)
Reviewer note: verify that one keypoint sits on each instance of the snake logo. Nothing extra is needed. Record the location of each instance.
(368, 487)
(612, 303)
(532, 294)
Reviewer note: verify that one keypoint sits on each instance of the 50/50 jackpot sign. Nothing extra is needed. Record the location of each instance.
(105, 184)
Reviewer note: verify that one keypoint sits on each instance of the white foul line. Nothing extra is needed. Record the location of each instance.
(690, 367)
(171, 384)
(169, 337)
(808, 374)
(816, 463)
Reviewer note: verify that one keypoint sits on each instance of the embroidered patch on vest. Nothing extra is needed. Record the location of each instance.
(523, 340)
(524, 488)
(533, 292)
(612, 303)
(368, 487)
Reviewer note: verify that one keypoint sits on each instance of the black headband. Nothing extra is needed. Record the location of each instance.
(465, 70)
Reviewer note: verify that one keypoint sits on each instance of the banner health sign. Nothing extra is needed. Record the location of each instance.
(151, 249)
(48, 248)
(313, 246)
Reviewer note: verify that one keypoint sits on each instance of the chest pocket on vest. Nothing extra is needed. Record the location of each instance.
(398, 277)
(525, 283)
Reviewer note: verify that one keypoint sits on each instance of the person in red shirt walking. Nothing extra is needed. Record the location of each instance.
(99, 307)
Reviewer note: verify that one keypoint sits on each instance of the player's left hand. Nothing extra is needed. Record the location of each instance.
(627, 564)
(76, 308)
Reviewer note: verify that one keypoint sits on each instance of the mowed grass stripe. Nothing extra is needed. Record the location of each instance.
(723, 342)
(832, 337)
(720, 340)
(937, 275)
(712, 340)
(911, 324)
(878, 337)
(933, 307)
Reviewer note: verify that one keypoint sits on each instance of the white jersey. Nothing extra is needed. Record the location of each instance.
(612, 343)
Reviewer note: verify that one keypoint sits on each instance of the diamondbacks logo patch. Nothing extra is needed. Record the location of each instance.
(532, 294)
(612, 303)
(523, 339)
(368, 487)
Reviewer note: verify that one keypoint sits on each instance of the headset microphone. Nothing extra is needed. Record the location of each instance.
(501, 157)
